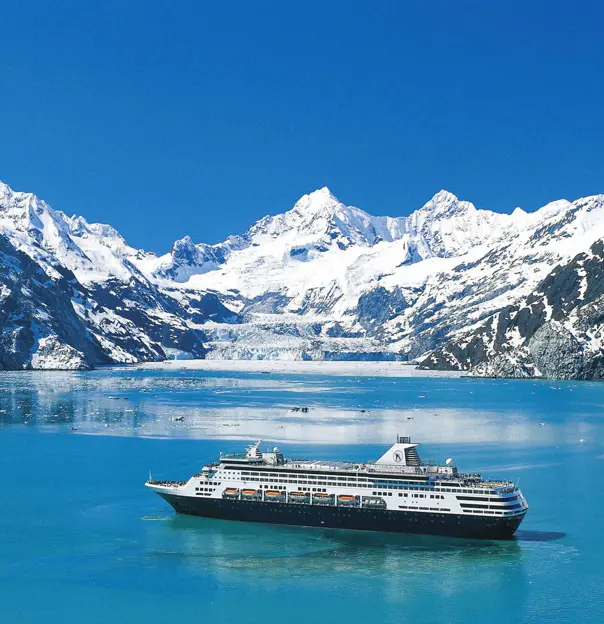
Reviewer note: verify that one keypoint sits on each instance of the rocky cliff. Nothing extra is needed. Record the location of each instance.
(557, 331)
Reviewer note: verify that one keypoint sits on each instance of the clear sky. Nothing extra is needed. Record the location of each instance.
(173, 118)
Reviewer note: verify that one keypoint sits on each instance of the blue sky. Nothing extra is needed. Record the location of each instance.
(166, 119)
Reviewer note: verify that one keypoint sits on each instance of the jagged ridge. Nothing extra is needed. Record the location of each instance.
(321, 280)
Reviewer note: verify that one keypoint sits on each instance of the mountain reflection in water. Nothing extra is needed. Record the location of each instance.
(342, 410)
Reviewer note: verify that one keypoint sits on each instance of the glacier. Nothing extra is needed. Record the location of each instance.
(320, 281)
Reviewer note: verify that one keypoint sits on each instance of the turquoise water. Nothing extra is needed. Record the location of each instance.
(83, 541)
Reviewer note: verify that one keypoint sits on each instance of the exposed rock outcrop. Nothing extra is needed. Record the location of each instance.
(557, 331)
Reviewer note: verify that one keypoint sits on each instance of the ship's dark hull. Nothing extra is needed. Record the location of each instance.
(366, 519)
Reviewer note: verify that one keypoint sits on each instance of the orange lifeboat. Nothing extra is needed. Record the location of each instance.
(249, 492)
(272, 494)
(348, 499)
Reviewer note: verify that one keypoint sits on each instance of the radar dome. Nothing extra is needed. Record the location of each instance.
(449, 461)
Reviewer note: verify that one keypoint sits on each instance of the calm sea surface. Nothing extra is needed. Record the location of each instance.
(81, 539)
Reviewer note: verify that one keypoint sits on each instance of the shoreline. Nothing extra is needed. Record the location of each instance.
(301, 367)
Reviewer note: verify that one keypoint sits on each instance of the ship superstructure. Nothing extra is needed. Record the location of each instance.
(399, 492)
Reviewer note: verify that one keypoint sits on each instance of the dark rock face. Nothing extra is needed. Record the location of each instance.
(557, 353)
(556, 332)
(203, 307)
(55, 322)
(155, 318)
(270, 302)
(36, 309)
(378, 306)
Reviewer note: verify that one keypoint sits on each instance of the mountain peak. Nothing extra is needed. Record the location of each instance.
(315, 201)
(445, 195)
(443, 205)
(442, 199)
(5, 190)
(184, 247)
(324, 191)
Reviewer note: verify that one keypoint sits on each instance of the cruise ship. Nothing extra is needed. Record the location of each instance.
(398, 493)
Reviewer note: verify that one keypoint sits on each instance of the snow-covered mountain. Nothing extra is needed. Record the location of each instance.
(72, 296)
(325, 278)
(320, 281)
(557, 331)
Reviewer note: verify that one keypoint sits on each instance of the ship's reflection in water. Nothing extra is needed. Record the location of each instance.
(341, 410)
(390, 567)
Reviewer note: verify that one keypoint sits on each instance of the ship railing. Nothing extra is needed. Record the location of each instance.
(502, 487)
(437, 462)
(415, 470)
(241, 457)
(319, 466)
(459, 476)
(173, 484)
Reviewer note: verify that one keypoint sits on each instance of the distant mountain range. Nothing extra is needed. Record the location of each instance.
(449, 286)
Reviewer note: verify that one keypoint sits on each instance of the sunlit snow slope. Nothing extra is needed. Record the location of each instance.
(320, 281)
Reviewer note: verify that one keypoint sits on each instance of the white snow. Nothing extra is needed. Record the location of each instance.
(451, 263)
(356, 369)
